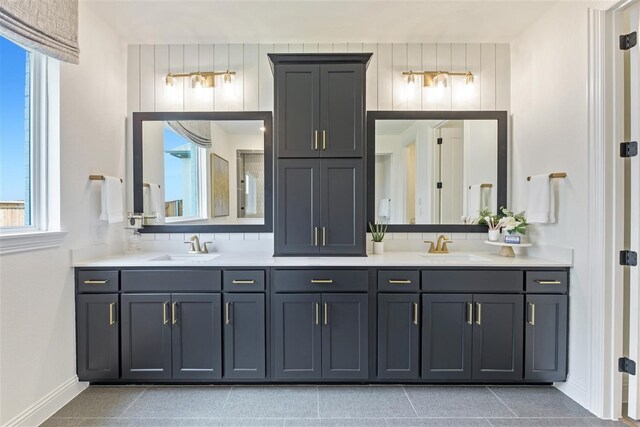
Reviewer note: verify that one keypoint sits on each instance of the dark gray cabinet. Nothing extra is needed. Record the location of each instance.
(244, 335)
(398, 336)
(447, 334)
(545, 357)
(98, 335)
(498, 337)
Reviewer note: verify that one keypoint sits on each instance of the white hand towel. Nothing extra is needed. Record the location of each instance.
(474, 201)
(112, 210)
(156, 203)
(541, 204)
(384, 209)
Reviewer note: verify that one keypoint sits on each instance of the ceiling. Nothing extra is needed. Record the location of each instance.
(318, 21)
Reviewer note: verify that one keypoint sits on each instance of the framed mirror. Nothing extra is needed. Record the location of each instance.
(203, 171)
(435, 170)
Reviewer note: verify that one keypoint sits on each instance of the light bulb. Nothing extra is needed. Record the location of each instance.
(411, 78)
(169, 80)
(441, 80)
(197, 81)
(469, 78)
(226, 78)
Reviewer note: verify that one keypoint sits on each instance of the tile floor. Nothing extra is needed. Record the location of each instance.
(323, 406)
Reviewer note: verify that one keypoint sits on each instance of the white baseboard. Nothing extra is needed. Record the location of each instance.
(40, 411)
(575, 391)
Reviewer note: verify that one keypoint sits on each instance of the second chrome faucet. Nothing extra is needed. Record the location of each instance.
(195, 247)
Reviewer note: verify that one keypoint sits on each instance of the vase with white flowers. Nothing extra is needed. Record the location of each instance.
(509, 221)
(377, 235)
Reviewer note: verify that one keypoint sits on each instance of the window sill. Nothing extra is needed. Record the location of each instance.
(30, 241)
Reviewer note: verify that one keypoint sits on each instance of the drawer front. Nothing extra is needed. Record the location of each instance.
(476, 281)
(398, 280)
(243, 281)
(97, 281)
(547, 282)
(174, 280)
(321, 280)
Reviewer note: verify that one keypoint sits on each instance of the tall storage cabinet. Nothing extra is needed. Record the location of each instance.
(319, 145)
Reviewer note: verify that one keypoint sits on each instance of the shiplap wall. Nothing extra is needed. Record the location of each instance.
(253, 86)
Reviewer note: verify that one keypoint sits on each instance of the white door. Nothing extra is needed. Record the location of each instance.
(634, 226)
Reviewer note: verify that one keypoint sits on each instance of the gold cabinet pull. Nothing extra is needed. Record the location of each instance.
(315, 236)
(164, 313)
(243, 282)
(324, 236)
(328, 281)
(326, 313)
(174, 319)
(96, 282)
(469, 313)
(532, 320)
(315, 139)
(324, 139)
(399, 282)
(317, 313)
(548, 282)
(415, 313)
(227, 320)
(112, 317)
(478, 313)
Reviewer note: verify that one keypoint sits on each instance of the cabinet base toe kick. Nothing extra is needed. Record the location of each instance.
(316, 325)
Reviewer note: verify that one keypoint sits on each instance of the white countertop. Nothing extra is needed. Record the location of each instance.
(389, 259)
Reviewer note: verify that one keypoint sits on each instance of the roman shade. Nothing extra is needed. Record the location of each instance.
(46, 26)
(196, 131)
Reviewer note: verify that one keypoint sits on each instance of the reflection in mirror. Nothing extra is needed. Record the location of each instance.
(204, 172)
(435, 171)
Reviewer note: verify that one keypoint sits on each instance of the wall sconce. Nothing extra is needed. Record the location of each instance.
(437, 78)
(201, 79)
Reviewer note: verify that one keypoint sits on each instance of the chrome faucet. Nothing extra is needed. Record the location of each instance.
(441, 245)
(195, 247)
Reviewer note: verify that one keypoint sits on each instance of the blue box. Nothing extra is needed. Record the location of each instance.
(512, 239)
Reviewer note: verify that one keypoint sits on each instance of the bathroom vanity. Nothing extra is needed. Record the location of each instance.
(399, 317)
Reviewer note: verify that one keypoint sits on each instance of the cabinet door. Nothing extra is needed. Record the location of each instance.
(446, 336)
(545, 346)
(244, 336)
(398, 336)
(196, 336)
(146, 336)
(341, 198)
(98, 326)
(345, 336)
(297, 112)
(342, 110)
(296, 336)
(298, 214)
(498, 337)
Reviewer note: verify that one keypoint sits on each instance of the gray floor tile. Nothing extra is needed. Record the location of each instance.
(336, 422)
(62, 422)
(271, 402)
(131, 422)
(453, 402)
(438, 422)
(226, 422)
(543, 422)
(597, 422)
(98, 401)
(179, 402)
(363, 402)
(540, 401)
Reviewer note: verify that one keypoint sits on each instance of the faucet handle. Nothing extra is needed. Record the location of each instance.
(192, 247)
(431, 248)
(444, 245)
(204, 247)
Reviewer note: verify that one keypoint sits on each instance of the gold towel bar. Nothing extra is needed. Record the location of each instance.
(98, 178)
(553, 175)
(484, 186)
(146, 184)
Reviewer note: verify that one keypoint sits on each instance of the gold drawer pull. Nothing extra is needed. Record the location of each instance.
(315, 139)
(321, 281)
(399, 282)
(415, 313)
(324, 236)
(478, 313)
(326, 313)
(112, 317)
(243, 282)
(315, 236)
(532, 321)
(227, 320)
(469, 313)
(324, 139)
(96, 282)
(174, 319)
(317, 313)
(164, 313)
(548, 282)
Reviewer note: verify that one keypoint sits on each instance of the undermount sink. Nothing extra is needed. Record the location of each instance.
(192, 258)
(454, 258)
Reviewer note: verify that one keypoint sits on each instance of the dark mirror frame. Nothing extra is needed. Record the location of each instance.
(373, 116)
(265, 116)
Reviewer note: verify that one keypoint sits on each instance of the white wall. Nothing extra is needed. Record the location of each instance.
(549, 125)
(37, 308)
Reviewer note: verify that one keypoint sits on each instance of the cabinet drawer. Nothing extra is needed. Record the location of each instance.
(476, 281)
(398, 280)
(94, 281)
(321, 280)
(546, 282)
(243, 280)
(174, 280)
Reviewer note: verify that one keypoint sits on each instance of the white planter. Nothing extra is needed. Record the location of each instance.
(378, 248)
(494, 235)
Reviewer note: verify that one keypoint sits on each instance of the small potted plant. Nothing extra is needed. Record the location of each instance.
(377, 235)
(512, 223)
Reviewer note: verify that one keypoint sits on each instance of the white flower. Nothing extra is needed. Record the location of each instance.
(509, 223)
